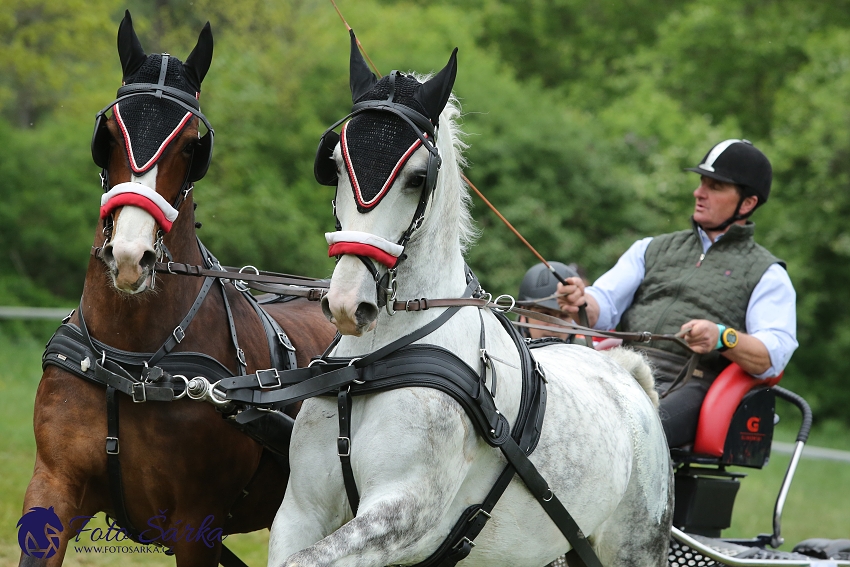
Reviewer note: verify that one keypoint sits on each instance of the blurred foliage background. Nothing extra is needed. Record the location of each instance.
(580, 117)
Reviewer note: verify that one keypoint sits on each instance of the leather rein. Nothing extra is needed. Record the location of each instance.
(269, 282)
(557, 325)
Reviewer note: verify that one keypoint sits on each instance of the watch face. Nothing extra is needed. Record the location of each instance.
(730, 338)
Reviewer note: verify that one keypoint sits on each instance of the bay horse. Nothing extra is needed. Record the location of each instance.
(180, 461)
(413, 455)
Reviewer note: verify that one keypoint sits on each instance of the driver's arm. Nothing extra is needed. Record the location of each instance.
(766, 345)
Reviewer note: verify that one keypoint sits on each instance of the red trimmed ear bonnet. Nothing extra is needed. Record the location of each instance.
(159, 97)
(390, 119)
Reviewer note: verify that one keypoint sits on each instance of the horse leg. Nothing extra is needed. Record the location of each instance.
(638, 532)
(408, 482)
(68, 500)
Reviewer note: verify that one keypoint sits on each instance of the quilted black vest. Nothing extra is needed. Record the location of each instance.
(682, 283)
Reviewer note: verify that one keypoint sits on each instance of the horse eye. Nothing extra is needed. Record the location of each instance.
(189, 147)
(416, 182)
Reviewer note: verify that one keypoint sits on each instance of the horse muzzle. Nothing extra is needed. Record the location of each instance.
(351, 303)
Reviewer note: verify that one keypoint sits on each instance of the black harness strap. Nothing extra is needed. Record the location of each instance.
(113, 465)
(241, 364)
(343, 448)
(179, 332)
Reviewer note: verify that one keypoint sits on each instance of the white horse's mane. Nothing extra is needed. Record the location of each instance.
(450, 184)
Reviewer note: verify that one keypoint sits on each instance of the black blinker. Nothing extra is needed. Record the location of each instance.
(324, 167)
(100, 142)
(201, 157)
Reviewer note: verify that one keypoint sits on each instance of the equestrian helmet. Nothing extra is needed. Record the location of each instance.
(741, 163)
(539, 283)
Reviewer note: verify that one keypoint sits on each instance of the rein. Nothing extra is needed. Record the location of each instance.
(561, 326)
(281, 284)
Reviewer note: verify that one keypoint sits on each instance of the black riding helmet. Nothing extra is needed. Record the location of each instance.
(539, 283)
(741, 163)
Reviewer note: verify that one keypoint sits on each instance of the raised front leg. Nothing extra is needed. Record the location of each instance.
(411, 454)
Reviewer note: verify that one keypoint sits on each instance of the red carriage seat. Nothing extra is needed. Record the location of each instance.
(720, 406)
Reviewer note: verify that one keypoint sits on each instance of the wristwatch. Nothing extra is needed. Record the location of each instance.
(727, 339)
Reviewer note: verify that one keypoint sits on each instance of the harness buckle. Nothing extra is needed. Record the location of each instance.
(268, 372)
(139, 393)
(343, 446)
(240, 356)
(464, 546)
(481, 511)
(485, 357)
(112, 447)
(179, 334)
(284, 340)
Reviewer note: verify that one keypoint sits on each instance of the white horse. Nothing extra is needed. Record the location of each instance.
(416, 457)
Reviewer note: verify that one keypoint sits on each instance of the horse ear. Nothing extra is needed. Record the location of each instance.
(198, 62)
(434, 94)
(361, 79)
(129, 47)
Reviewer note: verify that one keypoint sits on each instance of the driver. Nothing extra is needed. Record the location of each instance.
(729, 297)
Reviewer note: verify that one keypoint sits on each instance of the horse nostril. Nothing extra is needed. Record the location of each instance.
(148, 260)
(366, 313)
(326, 309)
(108, 257)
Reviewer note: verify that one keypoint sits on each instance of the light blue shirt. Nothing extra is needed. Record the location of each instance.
(771, 312)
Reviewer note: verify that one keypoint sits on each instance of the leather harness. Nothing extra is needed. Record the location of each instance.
(148, 377)
(401, 364)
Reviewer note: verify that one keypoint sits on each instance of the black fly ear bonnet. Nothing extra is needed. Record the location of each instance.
(390, 120)
(159, 97)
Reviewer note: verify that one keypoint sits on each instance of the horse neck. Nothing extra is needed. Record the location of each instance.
(141, 322)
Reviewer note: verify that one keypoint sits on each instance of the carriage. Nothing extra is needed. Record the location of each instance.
(424, 419)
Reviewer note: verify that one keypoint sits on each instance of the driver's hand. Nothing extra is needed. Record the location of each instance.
(571, 296)
(701, 335)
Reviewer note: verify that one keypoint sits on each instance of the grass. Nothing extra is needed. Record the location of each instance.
(817, 505)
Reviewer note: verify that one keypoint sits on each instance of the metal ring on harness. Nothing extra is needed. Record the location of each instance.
(502, 308)
(240, 284)
(185, 390)
(391, 292)
(316, 361)
(350, 363)
(551, 495)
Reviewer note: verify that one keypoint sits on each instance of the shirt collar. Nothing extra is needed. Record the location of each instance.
(705, 240)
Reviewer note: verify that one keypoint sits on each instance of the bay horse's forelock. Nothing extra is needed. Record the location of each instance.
(181, 458)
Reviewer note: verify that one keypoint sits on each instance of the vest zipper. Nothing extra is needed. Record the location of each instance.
(663, 318)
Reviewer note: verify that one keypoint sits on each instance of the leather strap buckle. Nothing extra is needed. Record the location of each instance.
(112, 447)
(284, 340)
(139, 393)
(270, 372)
(481, 511)
(343, 446)
(178, 333)
(463, 548)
